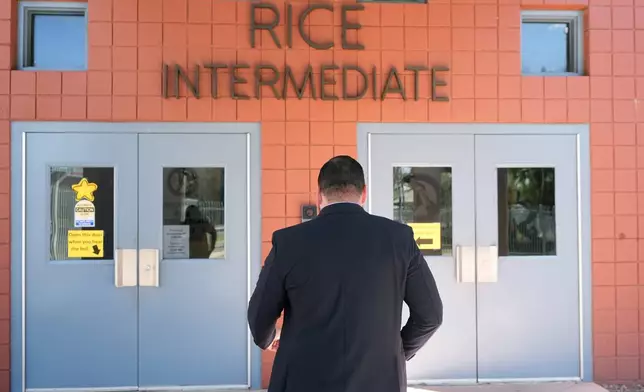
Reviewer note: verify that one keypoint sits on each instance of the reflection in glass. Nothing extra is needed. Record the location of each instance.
(424, 195)
(68, 213)
(545, 47)
(526, 211)
(193, 213)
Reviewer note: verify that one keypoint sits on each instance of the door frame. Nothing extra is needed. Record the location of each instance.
(582, 134)
(19, 131)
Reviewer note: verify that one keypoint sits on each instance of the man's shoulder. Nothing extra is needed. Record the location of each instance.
(291, 230)
(390, 224)
(375, 222)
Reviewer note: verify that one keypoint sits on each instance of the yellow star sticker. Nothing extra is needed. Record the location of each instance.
(85, 190)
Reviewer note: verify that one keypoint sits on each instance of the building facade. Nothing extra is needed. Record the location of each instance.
(149, 149)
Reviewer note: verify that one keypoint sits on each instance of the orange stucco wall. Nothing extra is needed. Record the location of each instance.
(478, 39)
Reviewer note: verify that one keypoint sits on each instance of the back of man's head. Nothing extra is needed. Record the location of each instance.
(341, 179)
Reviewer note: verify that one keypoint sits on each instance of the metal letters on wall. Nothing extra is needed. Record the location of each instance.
(317, 80)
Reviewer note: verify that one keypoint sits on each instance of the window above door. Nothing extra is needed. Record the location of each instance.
(46, 29)
(552, 42)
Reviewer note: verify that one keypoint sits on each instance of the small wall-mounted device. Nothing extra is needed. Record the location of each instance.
(309, 212)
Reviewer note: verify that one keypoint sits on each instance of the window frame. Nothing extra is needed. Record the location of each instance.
(26, 12)
(574, 19)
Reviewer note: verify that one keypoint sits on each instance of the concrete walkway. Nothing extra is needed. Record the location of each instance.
(534, 387)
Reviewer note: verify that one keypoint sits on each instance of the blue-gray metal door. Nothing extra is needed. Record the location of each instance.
(80, 329)
(426, 181)
(502, 211)
(136, 264)
(193, 260)
(527, 235)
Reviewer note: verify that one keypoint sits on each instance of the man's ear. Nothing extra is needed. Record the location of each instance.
(363, 196)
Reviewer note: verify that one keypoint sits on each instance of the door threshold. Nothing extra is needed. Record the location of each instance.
(95, 389)
(207, 388)
(196, 388)
(514, 386)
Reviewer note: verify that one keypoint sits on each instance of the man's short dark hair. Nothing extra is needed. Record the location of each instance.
(341, 175)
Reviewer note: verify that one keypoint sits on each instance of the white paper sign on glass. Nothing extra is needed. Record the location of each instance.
(84, 214)
(176, 242)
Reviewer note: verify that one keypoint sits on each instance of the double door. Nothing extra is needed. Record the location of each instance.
(136, 264)
(496, 217)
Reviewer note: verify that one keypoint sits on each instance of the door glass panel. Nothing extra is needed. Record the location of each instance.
(193, 213)
(423, 200)
(81, 213)
(526, 211)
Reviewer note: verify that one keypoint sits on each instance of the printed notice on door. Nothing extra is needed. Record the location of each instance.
(85, 243)
(84, 214)
(176, 242)
(427, 235)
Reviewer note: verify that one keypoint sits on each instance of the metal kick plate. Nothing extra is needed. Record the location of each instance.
(149, 268)
(125, 268)
(487, 258)
(465, 264)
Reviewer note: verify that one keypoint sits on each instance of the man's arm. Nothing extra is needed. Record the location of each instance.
(213, 236)
(267, 302)
(425, 304)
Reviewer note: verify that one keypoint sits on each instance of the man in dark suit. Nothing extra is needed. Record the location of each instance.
(341, 280)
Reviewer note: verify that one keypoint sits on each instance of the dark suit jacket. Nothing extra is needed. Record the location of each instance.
(341, 280)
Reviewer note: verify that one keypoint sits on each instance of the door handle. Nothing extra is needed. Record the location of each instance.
(465, 264)
(487, 266)
(125, 268)
(149, 267)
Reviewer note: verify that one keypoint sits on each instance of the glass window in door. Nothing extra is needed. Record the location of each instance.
(526, 211)
(193, 213)
(422, 199)
(81, 217)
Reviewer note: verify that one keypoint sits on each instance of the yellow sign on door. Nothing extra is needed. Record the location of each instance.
(84, 190)
(427, 235)
(85, 243)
